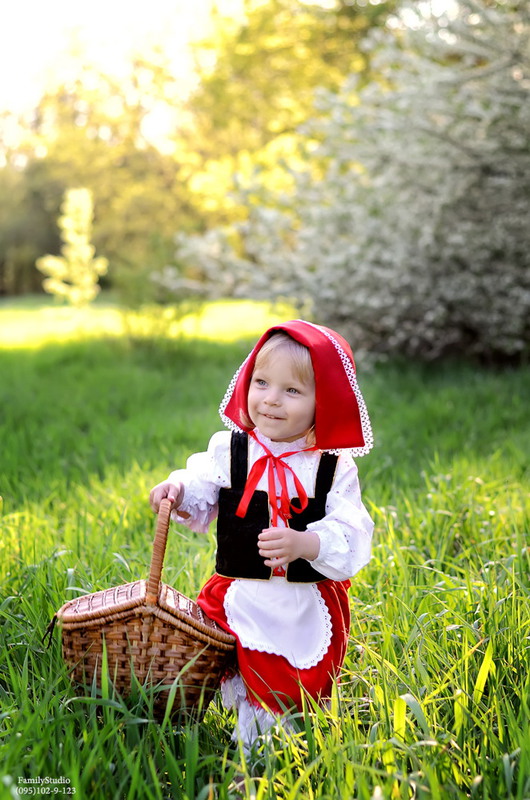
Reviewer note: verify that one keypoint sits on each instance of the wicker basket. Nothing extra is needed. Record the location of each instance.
(149, 629)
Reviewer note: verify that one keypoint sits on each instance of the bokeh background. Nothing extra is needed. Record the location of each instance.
(367, 161)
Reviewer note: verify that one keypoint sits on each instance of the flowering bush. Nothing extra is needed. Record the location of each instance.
(409, 229)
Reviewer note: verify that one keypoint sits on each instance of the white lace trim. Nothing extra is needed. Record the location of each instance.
(226, 399)
(352, 378)
(252, 721)
(328, 626)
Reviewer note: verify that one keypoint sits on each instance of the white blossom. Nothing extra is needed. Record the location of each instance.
(408, 230)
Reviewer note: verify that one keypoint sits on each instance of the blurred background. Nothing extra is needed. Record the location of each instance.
(365, 164)
(367, 161)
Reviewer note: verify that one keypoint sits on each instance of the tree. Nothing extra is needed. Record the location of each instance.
(408, 228)
(257, 79)
(25, 233)
(74, 275)
(91, 132)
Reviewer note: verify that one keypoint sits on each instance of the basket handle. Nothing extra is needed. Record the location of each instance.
(159, 550)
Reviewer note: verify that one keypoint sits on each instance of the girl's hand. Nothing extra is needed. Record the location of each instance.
(280, 546)
(173, 492)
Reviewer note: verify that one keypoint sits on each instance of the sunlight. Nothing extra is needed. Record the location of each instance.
(413, 17)
(44, 44)
(229, 320)
(39, 323)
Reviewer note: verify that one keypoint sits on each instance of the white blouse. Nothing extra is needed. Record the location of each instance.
(256, 610)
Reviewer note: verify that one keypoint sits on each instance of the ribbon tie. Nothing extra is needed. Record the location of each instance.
(280, 506)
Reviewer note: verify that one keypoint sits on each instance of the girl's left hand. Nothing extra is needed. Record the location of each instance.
(280, 546)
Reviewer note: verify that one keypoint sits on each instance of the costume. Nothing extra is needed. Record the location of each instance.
(291, 624)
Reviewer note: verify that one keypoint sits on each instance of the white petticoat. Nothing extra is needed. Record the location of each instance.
(275, 616)
(252, 721)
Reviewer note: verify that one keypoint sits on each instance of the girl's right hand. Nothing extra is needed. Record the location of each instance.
(173, 492)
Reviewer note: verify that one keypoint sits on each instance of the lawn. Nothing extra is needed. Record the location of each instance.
(434, 700)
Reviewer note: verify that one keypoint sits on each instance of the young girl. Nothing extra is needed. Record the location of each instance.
(291, 527)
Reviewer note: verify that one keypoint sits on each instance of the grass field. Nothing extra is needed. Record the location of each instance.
(434, 701)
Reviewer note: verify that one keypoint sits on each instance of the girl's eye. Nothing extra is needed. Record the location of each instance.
(260, 382)
(292, 390)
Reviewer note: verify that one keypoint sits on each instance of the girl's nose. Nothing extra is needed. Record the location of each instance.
(272, 397)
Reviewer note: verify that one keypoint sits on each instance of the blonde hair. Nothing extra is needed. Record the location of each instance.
(299, 354)
(301, 364)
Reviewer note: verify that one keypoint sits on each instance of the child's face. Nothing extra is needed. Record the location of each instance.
(280, 405)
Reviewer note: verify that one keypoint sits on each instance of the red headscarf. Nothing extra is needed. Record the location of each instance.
(341, 418)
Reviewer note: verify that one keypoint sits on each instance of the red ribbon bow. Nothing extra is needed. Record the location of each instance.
(280, 506)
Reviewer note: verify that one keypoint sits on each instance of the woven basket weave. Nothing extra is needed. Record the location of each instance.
(150, 629)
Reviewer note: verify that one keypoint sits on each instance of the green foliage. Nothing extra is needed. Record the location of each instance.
(27, 228)
(407, 225)
(92, 132)
(258, 73)
(434, 697)
(257, 79)
(74, 275)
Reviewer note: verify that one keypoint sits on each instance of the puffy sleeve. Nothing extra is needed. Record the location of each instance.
(345, 532)
(204, 475)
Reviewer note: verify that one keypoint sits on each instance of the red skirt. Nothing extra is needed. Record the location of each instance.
(270, 679)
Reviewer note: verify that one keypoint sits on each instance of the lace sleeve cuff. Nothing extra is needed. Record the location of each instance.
(204, 475)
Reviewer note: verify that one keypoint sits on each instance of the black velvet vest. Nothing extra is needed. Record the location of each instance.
(237, 538)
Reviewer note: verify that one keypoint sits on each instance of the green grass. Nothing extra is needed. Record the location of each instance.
(434, 701)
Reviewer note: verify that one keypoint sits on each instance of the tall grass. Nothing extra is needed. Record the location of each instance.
(434, 700)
